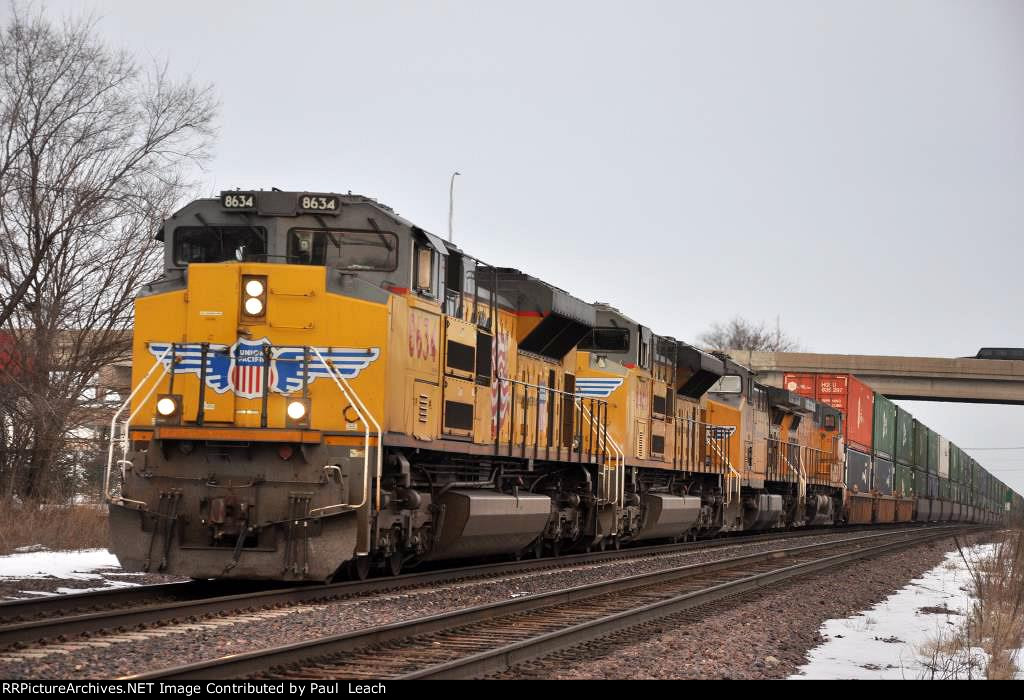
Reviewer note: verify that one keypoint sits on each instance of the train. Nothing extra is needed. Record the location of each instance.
(323, 389)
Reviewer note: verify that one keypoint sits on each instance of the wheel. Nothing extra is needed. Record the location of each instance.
(359, 568)
(616, 542)
(538, 548)
(395, 564)
(602, 544)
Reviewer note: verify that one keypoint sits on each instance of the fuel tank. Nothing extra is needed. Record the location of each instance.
(480, 523)
(667, 516)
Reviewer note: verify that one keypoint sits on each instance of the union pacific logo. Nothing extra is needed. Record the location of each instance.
(597, 387)
(245, 366)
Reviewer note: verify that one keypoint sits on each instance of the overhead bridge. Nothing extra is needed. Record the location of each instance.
(961, 380)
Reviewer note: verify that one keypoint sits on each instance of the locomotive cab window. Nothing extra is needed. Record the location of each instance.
(423, 269)
(210, 244)
(344, 250)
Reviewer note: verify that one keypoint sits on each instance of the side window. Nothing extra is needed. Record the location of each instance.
(423, 269)
(644, 351)
(607, 339)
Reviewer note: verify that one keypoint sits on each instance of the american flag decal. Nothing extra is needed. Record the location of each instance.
(250, 360)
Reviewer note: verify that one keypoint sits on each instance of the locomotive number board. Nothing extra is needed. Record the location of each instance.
(276, 203)
(319, 202)
(238, 200)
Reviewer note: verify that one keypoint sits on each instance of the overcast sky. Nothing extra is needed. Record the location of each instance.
(855, 168)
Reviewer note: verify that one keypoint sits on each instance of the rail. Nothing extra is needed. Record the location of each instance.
(491, 637)
(39, 619)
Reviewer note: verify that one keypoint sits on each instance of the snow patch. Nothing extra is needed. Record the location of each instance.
(77, 565)
(886, 641)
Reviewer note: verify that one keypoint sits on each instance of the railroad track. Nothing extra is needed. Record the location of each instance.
(122, 609)
(491, 638)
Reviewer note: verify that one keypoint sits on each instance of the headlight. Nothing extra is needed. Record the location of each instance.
(253, 306)
(296, 410)
(254, 288)
(254, 298)
(166, 406)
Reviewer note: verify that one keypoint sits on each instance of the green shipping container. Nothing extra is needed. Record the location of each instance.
(944, 493)
(884, 438)
(904, 481)
(904, 436)
(920, 445)
(933, 452)
(954, 463)
(920, 482)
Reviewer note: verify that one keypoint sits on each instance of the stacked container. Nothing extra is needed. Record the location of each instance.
(883, 476)
(904, 452)
(922, 483)
(845, 392)
(942, 470)
(955, 493)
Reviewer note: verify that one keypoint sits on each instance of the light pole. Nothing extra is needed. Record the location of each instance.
(451, 203)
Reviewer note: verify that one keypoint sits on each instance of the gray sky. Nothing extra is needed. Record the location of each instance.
(856, 168)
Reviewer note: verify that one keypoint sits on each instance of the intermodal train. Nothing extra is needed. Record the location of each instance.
(321, 388)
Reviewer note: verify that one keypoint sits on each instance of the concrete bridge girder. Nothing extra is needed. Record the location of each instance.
(962, 380)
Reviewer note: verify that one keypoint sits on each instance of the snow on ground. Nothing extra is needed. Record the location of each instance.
(78, 565)
(48, 569)
(886, 641)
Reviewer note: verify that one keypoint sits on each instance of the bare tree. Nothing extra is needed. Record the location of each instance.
(94, 151)
(741, 334)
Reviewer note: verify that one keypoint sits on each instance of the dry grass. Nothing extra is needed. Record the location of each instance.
(987, 643)
(55, 527)
(996, 622)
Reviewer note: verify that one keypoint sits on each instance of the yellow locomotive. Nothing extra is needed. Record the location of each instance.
(320, 386)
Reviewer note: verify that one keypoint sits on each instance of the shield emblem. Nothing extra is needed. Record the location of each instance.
(251, 368)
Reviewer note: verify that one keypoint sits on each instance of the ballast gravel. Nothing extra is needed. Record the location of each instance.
(752, 637)
(728, 646)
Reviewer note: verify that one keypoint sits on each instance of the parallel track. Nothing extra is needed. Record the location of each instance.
(494, 637)
(118, 609)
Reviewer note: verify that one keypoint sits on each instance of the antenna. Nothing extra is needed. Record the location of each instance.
(451, 203)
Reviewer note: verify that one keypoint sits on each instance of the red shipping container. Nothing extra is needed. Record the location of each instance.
(803, 384)
(857, 402)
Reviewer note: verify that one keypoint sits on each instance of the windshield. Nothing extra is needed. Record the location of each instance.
(204, 244)
(345, 250)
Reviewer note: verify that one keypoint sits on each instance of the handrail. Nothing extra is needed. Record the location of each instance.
(362, 413)
(620, 486)
(801, 479)
(617, 453)
(735, 476)
(113, 421)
